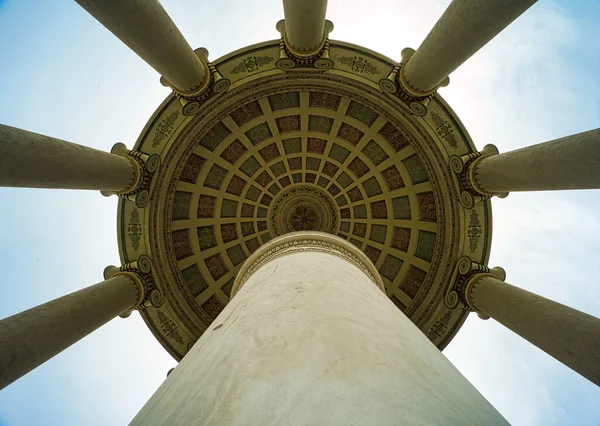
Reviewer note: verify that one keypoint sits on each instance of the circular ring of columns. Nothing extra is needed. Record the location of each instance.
(306, 241)
(309, 339)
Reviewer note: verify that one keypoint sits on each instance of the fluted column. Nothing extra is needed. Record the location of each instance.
(145, 27)
(570, 336)
(310, 338)
(464, 28)
(572, 162)
(304, 23)
(32, 337)
(32, 160)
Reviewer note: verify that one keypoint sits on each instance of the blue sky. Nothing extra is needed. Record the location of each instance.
(64, 75)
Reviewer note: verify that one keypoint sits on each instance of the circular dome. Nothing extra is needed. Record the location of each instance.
(284, 151)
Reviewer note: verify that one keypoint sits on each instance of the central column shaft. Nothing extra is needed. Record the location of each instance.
(32, 160)
(310, 340)
(145, 27)
(464, 28)
(304, 23)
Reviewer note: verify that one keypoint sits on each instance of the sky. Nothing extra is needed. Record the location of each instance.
(64, 75)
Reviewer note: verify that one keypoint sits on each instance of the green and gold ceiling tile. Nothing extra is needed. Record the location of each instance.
(392, 178)
(360, 211)
(213, 307)
(261, 225)
(228, 232)
(401, 207)
(228, 286)
(285, 181)
(415, 169)
(372, 187)
(250, 166)
(344, 179)
(269, 152)
(345, 213)
(378, 233)
(181, 205)
(324, 100)
(398, 303)
(345, 226)
(379, 210)
(355, 194)
(262, 212)
(297, 177)
(322, 182)
(252, 245)
(206, 206)
(233, 151)
(246, 113)
(236, 185)
(425, 245)
(291, 123)
(401, 238)
(215, 136)
(266, 200)
(266, 237)
(330, 169)
(318, 123)
(216, 266)
(349, 133)
(247, 210)
(341, 200)
(278, 168)
(342, 235)
(316, 145)
(284, 100)
(375, 152)
(362, 113)
(339, 153)
(181, 244)
(358, 167)
(359, 229)
(264, 179)
(215, 177)
(295, 163)
(426, 202)
(372, 253)
(253, 193)
(194, 280)
(236, 254)
(292, 145)
(309, 177)
(206, 237)
(394, 136)
(192, 168)
(229, 208)
(333, 189)
(259, 133)
(390, 267)
(274, 189)
(356, 242)
(413, 281)
(313, 163)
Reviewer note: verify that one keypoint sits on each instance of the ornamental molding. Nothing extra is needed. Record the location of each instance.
(302, 242)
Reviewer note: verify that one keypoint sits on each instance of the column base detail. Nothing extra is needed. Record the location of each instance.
(290, 58)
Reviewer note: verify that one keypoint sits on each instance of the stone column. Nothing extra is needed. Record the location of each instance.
(32, 160)
(464, 28)
(304, 24)
(32, 337)
(570, 336)
(572, 162)
(145, 27)
(311, 338)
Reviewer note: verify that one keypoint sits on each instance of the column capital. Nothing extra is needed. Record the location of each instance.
(465, 168)
(307, 241)
(290, 57)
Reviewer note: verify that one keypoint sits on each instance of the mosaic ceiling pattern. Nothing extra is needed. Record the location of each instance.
(336, 147)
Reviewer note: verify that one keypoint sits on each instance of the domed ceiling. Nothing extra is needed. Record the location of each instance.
(283, 151)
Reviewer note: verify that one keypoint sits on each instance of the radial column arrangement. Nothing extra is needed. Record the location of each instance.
(304, 23)
(570, 336)
(572, 162)
(145, 27)
(32, 337)
(311, 338)
(32, 160)
(464, 28)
